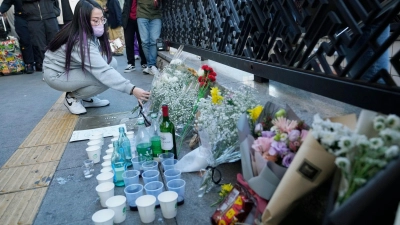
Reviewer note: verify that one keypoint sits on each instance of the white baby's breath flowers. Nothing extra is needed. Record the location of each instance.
(392, 152)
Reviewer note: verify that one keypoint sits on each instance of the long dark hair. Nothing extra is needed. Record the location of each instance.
(78, 32)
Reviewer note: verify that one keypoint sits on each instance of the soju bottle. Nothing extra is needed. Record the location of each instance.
(167, 133)
(118, 164)
(155, 136)
(123, 142)
(143, 144)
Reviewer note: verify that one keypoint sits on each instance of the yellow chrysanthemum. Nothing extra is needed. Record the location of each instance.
(226, 188)
(255, 112)
(216, 98)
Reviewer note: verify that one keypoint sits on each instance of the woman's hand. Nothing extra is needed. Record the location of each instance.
(141, 95)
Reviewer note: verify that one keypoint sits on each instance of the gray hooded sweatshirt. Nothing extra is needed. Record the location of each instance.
(97, 66)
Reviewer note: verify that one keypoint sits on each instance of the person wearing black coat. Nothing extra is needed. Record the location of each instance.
(114, 21)
(42, 24)
(21, 27)
(129, 22)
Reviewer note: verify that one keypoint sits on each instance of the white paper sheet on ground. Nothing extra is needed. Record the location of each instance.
(193, 161)
(80, 135)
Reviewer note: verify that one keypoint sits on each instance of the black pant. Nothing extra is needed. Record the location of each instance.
(129, 32)
(21, 27)
(42, 32)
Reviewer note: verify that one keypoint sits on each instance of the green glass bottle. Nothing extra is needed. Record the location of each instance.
(143, 144)
(118, 164)
(155, 136)
(167, 133)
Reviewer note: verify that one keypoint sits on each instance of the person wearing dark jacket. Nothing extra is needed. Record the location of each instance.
(115, 24)
(21, 27)
(129, 22)
(42, 24)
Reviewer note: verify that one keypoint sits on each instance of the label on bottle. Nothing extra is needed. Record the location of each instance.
(166, 141)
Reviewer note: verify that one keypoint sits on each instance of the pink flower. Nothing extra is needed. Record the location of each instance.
(262, 144)
(284, 125)
(303, 134)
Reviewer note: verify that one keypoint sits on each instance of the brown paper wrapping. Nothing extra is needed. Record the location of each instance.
(311, 166)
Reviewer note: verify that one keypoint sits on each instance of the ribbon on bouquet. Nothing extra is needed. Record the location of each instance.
(213, 170)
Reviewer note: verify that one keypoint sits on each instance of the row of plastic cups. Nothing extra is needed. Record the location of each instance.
(134, 191)
(153, 165)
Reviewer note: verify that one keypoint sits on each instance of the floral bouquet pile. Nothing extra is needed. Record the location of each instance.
(218, 115)
(358, 157)
(180, 87)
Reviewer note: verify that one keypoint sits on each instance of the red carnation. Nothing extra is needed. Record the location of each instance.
(202, 84)
(211, 77)
(205, 67)
(213, 74)
(201, 79)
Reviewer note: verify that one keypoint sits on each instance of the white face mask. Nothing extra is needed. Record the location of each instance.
(98, 30)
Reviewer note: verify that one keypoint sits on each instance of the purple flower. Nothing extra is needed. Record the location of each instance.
(258, 128)
(268, 134)
(280, 147)
(294, 135)
(287, 160)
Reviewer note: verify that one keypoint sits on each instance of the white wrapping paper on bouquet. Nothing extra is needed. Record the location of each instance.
(194, 161)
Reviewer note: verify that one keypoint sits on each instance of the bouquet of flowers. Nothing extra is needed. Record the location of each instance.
(358, 157)
(218, 115)
(180, 87)
(280, 143)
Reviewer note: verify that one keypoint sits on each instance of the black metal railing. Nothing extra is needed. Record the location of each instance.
(291, 41)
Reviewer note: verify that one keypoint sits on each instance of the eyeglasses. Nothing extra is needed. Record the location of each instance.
(99, 21)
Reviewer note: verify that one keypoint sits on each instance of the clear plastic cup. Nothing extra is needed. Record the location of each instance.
(178, 185)
(154, 188)
(169, 164)
(150, 175)
(164, 156)
(150, 165)
(137, 164)
(131, 177)
(172, 174)
(132, 192)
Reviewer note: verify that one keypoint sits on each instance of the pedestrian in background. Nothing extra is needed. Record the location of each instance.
(149, 23)
(21, 27)
(115, 24)
(131, 29)
(42, 24)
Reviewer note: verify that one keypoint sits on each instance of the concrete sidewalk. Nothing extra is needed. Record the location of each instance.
(69, 198)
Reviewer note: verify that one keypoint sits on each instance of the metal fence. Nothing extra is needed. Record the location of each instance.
(288, 41)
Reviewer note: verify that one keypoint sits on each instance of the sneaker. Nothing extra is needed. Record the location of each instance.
(137, 57)
(129, 68)
(144, 66)
(74, 105)
(29, 68)
(146, 70)
(94, 102)
(154, 70)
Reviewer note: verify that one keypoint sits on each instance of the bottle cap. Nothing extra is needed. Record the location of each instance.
(165, 110)
(140, 121)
